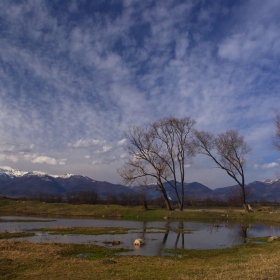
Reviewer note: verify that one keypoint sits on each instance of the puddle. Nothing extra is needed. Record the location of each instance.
(158, 235)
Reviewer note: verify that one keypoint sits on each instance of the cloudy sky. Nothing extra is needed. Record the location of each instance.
(75, 74)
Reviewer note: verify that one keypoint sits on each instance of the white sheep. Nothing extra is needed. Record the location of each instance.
(139, 242)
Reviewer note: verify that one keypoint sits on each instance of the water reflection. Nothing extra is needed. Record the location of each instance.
(180, 232)
(157, 235)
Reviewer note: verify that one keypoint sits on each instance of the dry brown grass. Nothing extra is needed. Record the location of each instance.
(24, 260)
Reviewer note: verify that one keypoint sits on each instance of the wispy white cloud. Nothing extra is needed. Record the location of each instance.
(12, 158)
(266, 165)
(45, 159)
(102, 151)
(73, 81)
(105, 160)
(87, 143)
(22, 152)
(7, 148)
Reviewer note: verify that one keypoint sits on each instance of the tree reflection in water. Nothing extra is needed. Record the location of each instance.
(158, 235)
(166, 232)
(180, 232)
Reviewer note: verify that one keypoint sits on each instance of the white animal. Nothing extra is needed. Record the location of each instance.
(139, 242)
(271, 238)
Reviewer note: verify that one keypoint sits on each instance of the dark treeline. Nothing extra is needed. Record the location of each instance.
(140, 199)
(91, 197)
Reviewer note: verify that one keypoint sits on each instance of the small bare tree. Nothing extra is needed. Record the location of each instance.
(228, 151)
(160, 152)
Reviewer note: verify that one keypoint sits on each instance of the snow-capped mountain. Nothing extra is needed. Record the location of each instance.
(67, 175)
(11, 172)
(15, 183)
(269, 181)
(17, 173)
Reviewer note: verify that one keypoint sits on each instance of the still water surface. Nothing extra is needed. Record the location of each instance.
(158, 235)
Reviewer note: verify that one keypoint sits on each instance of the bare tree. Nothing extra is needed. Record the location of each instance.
(176, 135)
(144, 148)
(160, 151)
(228, 151)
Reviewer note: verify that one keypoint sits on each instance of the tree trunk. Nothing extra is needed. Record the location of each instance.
(145, 205)
(246, 207)
(167, 202)
(181, 206)
(165, 196)
(182, 196)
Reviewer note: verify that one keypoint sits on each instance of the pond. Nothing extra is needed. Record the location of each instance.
(158, 235)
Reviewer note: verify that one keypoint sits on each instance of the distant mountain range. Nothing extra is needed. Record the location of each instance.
(15, 183)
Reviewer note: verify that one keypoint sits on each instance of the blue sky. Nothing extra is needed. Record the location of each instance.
(75, 74)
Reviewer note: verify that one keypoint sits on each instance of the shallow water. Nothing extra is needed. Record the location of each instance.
(158, 235)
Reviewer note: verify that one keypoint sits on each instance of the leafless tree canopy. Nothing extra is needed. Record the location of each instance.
(177, 138)
(228, 150)
(159, 152)
(232, 150)
(276, 140)
(147, 158)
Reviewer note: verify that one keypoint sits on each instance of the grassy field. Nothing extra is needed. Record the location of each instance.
(13, 207)
(25, 260)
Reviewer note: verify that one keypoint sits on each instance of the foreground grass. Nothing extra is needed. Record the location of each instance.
(12, 207)
(24, 260)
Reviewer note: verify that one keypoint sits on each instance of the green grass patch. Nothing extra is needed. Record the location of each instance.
(262, 239)
(7, 235)
(24, 221)
(91, 251)
(184, 231)
(85, 230)
(213, 215)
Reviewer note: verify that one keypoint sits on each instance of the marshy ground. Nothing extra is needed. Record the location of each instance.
(26, 260)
